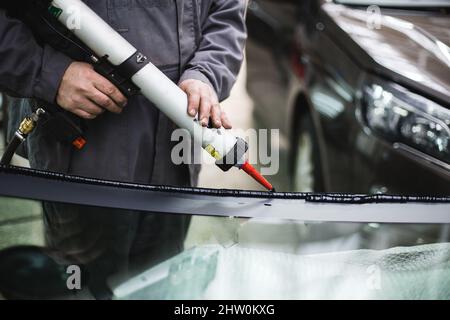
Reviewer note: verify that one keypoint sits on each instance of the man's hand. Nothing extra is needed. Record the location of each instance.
(87, 94)
(203, 101)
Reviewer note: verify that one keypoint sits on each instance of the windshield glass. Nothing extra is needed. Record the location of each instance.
(399, 3)
(87, 253)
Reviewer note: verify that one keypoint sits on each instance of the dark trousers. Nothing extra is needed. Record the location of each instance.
(112, 242)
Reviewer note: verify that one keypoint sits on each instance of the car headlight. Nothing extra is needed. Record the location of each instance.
(401, 116)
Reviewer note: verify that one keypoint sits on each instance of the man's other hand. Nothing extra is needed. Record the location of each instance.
(87, 94)
(203, 102)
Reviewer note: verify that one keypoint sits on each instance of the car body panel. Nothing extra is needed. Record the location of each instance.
(423, 58)
(341, 54)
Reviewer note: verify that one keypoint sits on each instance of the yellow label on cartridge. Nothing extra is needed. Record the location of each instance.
(212, 151)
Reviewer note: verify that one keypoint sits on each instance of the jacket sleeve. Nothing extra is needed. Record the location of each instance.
(219, 56)
(27, 69)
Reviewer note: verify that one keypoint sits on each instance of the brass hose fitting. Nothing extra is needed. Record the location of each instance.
(29, 123)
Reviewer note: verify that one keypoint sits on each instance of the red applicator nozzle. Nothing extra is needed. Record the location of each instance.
(251, 171)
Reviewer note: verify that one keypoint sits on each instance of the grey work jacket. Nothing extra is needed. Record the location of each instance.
(186, 39)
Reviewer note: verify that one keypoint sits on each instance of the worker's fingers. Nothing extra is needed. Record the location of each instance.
(193, 102)
(104, 101)
(85, 91)
(226, 123)
(216, 116)
(90, 107)
(216, 110)
(108, 89)
(193, 90)
(205, 108)
(202, 101)
(83, 114)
